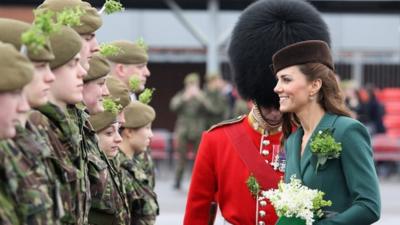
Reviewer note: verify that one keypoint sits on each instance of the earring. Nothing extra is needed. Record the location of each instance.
(312, 97)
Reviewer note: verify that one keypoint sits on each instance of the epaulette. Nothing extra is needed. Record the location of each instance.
(227, 122)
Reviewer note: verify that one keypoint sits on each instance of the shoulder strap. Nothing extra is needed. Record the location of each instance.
(250, 156)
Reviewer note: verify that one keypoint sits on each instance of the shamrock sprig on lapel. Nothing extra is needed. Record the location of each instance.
(325, 147)
(253, 185)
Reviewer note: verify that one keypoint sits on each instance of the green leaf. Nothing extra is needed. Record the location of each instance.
(112, 6)
(253, 185)
(110, 50)
(70, 17)
(142, 44)
(146, 96)
(134, 83)
(111, 106)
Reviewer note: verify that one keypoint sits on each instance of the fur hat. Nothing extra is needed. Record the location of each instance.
(303, 52)
(263, 28)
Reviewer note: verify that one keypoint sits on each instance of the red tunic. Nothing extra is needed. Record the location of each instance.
(220, 175)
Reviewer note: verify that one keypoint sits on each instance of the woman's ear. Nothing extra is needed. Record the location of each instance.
(315, 86)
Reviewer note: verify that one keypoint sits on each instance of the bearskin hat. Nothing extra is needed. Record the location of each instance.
(263, 28)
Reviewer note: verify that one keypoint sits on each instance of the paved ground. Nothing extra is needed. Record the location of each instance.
(172, 202)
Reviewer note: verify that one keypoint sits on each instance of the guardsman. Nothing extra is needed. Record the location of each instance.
(238, 158)
(136, 135)
(16, 72)
(36, 190)
(191, 107)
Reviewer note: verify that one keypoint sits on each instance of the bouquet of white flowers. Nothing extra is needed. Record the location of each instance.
(295, 203)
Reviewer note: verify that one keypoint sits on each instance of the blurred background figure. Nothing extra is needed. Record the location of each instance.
(214, 92)
(191, 106)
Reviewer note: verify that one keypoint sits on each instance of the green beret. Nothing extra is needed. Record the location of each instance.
(138, 115)
(12, 31)
(66, 44)
(131, 53)
(90, 21)
(15, 69)
(118, 90)
(99, 67)
(102, 120)
(192, 78)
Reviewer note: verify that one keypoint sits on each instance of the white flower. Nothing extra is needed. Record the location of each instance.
(293, 200)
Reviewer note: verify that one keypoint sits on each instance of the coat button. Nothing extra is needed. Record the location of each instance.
(265, 152)
(262, 213)
(265, 142)
(263, 203)
(261, 223)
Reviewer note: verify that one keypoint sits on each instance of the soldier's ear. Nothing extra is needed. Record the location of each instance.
(119, 70)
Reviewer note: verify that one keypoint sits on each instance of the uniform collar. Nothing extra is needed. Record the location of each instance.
(259, 125)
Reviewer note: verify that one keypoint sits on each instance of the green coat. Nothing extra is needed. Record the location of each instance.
(350, 181)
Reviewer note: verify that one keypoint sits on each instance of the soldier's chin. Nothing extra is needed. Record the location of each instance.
(75, 99)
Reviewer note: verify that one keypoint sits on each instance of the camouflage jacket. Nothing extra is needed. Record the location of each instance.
(64, 137)
(109, 203)
(146, 163)
(30, 177)
(7, 209)
(141, 197)
(220, 110)
(191, 115)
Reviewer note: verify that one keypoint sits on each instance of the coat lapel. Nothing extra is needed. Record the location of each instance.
(327, 121)
(295, 154)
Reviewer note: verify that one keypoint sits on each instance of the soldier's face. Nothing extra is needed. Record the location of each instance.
(109, 139)
(16, 104)
(37, 91)
(89, 47)
(138, 70)
(68, 85)
(93, 94)
(140, 138)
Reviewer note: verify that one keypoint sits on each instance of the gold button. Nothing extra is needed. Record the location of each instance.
(263, 203)
(261, 223)
(265, 152)
(265, 142)
(262, 213)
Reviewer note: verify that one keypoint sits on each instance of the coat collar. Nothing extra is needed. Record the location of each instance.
(327, 121)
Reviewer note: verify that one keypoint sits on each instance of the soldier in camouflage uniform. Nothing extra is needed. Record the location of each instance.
(136, 134)
(131, 64)
(103, 174)
(109, 203)
(36, 191)
(90, 21)
(191, 107)
(16, 72)
(61, 130)
(214, 93)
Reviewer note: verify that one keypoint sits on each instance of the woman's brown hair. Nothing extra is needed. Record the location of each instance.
(330, 96)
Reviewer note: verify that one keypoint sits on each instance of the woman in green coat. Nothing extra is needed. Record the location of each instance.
(329, 151)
